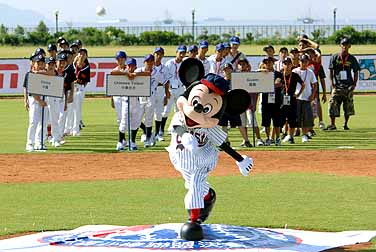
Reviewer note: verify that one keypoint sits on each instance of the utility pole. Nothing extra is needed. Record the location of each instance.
(193, 24)
(56, 12)
(334, 20)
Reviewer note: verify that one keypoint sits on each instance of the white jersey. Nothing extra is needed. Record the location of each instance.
(308, 77)
(160, 74)
(278, 65)
(172, 73)
(215, 66)
(153, 81)
(206, 64)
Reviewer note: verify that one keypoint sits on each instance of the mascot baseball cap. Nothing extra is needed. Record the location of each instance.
(131, 61)
(120, 54)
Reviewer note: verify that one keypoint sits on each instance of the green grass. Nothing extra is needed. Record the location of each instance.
(316, 202)
(100, 135)
(109, 51)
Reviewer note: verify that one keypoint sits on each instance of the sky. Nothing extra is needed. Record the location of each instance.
(142, 10)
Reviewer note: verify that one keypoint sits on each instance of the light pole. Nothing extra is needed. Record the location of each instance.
(193, 24)
(56, 12)
(334, 19)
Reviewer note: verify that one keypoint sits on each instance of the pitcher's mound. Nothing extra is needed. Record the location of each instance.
(165, 237)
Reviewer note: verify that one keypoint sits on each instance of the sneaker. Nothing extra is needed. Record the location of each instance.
(260, 142)
(305, 139)
(50, 139)
(272, 141)
(119, 146)
(143, 138)
(75, 133)
(56, 144)
(82, 124)
(291, 140)
(268, 142)
(322, 126)
(286, 138)
(147, 143)
(29, 148)
(125, 143)
(133, 146)
(152, 140)
(246, 144)
(278, 142)
(311, 133)
(159, 137)
(345, 127)
(331, 127)
(297, 132)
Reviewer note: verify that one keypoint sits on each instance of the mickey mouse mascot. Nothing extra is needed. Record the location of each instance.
(195, 135)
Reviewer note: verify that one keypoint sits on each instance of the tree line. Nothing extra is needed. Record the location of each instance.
(114, 36)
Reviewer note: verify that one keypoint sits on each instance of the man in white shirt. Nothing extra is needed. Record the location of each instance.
(203, 49)
(175, 86)
(216, 61)
(304, 108)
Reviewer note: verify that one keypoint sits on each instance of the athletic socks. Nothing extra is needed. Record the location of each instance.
(157, 127)
(121, 137)
(142, 126)
(134, 134)
(148, 132)
(194, 214)
(163, 123)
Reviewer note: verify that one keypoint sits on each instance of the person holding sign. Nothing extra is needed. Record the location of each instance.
(289, 104)
(34, 104)
(343, 84)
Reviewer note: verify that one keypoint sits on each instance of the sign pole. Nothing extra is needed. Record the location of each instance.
(42, 147)
(129, 123)
(253, 120)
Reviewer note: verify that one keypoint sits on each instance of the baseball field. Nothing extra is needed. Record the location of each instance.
(328, 184)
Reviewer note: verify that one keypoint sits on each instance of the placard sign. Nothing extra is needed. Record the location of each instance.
(253, 82)
(40, 84)
(121, 85)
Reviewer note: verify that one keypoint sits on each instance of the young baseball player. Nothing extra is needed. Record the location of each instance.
(234, 54)
(34, 104)
(162, 94)
(216, 61)
(283, 53)
(147, 103)
(175, 86)
(192, 51)
(203, 49)
(52, 50)
(117, 101)
(71, 77)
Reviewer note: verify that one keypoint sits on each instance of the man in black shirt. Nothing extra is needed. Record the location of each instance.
(289, 82)
(343, 83)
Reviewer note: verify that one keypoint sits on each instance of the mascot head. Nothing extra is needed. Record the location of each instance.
(207, 98)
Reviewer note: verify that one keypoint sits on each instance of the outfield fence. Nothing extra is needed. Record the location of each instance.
(12, 73)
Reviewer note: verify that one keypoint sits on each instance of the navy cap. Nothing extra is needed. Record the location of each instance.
(149, 57)
(219, 47)
(287, 60)
(78, 42)
(120, 54)
(61, 56)
(37, 58)
(51, 47)
(294, 49)
(216, 83)
(60, 39)
(283, 49)
(226, 45)
(192, 48)
(228, 65)
(159, 49)
(235, 40)
(63, 41)
(181, 48)
(345, 41)
(83, 50)
(266, 59)
(204, 44)
(304, 57)
(39, 50)
(268, 47)
(74, 44)
(131, 61)
(50, 60)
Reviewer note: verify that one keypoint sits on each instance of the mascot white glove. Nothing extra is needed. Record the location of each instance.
(245, 165)
(189, 142)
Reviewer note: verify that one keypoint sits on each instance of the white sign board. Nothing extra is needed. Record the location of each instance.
(253, 82)
(121, 85)
(40, 84)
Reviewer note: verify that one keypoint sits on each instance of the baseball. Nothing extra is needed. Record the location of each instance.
(101, 11)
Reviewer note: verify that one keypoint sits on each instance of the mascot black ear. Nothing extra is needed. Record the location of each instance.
(191, 70)
(238, 101)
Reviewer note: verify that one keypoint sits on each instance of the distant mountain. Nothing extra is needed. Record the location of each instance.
(12, 17)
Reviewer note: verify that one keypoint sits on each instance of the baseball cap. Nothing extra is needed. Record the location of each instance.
(192, 48)
(159, 49)
(78, 42)
(51, 47)
(287, 60)
(345, 41)
(83, 50)
(304, 57)
(228, 65)
(120, 54)
(60, 39)
(268, 47)
(283, 49)
(63, 41)
(38, 57)
(149, 57)
(39, 50)
(50, 60)
(61, 56)
(226, 45)
(181, 48)
(219, 47)
(204, 44)
(294, 49)
(74, 44)
(235, 40)
(266, 59)
(131, 61)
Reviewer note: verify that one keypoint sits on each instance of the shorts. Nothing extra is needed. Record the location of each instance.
(247, 120)
(304, 114)
(289, 114)
(271, 112)
(233, 120)
(338, 97)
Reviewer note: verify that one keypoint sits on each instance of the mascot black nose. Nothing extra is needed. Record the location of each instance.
(198, 108)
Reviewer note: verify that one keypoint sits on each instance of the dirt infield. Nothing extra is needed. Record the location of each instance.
(27, 168)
